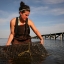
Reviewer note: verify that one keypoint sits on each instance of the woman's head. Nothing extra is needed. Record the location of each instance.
(23, 7)
(24, 10)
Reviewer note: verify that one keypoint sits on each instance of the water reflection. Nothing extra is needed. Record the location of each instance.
(56, 49)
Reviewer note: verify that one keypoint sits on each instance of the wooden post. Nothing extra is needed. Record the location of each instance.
(61, 36)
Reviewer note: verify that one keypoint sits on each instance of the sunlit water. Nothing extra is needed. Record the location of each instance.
(54, 47)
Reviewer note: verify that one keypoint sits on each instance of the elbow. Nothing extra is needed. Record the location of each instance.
(11, 34)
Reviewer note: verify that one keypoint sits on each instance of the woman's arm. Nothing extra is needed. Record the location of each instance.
(11, 32)
(36, 31)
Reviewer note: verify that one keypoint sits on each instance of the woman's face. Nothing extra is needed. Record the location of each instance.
(24, 15)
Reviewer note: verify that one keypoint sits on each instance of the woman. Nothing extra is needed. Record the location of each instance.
(23, 28)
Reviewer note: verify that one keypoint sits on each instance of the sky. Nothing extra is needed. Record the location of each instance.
(47, 15)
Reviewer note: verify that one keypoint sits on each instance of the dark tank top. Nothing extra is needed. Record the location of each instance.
(22, 32)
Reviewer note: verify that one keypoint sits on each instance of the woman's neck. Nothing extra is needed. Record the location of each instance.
(21, 21)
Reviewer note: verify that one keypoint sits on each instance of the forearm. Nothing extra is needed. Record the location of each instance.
(40, 37)
(9, 39)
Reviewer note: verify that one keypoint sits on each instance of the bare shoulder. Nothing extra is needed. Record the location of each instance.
(13, 21)
(32, 25)
(30, 22)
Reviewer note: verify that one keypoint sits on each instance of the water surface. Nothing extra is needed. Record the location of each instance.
(54, 47)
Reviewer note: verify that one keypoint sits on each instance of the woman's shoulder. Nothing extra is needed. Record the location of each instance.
(13, 20)
(30, 21)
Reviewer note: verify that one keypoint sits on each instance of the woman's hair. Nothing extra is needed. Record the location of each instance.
(23, 7)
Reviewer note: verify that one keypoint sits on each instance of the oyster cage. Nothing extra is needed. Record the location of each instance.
(24, 52)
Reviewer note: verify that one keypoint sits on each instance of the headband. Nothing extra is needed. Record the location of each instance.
(24, 9)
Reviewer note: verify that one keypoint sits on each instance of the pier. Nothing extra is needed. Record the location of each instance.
(54, 36)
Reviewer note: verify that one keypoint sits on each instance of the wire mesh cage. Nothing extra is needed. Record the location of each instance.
(24, 52)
